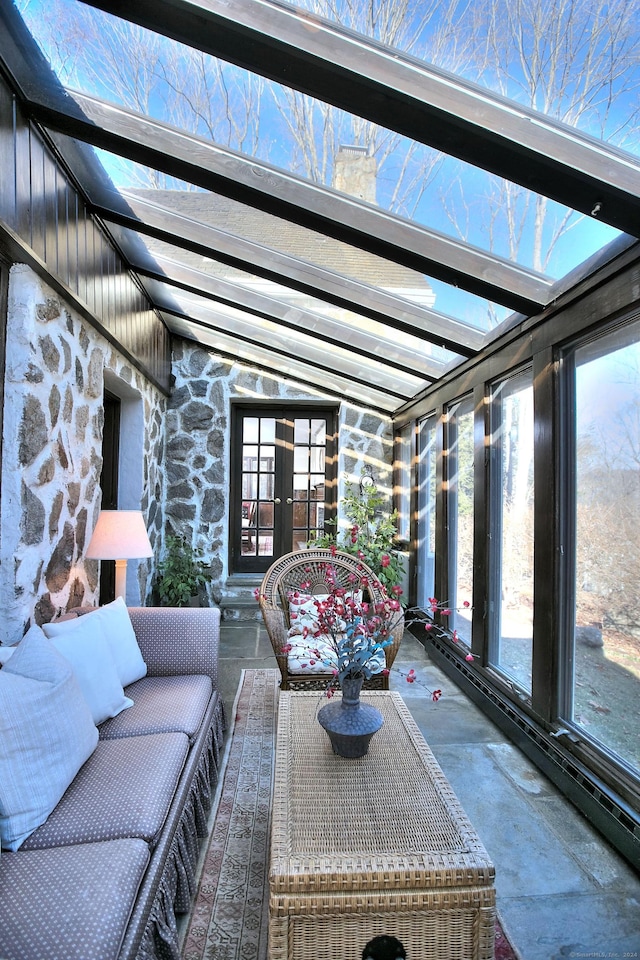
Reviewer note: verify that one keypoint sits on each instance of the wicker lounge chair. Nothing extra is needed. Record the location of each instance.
(309, 566)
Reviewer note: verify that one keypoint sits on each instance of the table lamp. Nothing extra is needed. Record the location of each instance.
(119, 535)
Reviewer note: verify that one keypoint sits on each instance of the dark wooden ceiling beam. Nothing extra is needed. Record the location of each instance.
(322, 59)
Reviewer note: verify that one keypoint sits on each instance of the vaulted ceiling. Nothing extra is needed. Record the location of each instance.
(263, 264)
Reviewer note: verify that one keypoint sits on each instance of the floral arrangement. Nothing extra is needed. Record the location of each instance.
(347, 634)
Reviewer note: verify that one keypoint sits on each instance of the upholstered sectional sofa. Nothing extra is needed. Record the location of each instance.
(104, 874)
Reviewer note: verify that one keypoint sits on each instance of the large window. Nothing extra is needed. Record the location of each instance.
(403, 480)
(603, 689)
(426, 545)
(459, 477)
(511, 523)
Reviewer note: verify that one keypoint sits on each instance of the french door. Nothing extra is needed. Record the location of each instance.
(282, 481)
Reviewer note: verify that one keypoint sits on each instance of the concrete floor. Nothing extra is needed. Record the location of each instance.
(562, 891)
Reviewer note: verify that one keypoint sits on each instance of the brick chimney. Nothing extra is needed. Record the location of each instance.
(355, 173)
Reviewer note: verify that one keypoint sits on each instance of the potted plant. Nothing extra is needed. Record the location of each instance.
(181, 574)
(370, 534)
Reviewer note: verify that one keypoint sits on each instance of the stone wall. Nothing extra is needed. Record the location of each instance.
(56, 368)
(52, 455)
(198, 446)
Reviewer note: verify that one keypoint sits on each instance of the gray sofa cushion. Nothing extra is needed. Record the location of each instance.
(161, 705)
(71, 903)
(123, 790)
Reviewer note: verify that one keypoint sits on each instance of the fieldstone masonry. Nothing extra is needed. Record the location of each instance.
(198, 448)
(52, 455)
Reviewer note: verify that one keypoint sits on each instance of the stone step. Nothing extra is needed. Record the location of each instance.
(238, 601)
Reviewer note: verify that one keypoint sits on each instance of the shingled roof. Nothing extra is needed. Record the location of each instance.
(270, 231)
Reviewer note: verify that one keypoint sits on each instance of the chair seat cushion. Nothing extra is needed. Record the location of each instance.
(317, 654)
(79, 896)
(162, 705)
(124, 790)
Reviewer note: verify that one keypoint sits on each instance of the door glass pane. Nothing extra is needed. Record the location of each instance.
(301, 460)
(300, 491)
(459, 471)
(267, 458)
(511, 606)
(606, 649)
(319, 433)
(250, 430)
(257, 483)
(300, 514)
(317, 460)
(426, 511)
(310, 439)
(301, 431)
(267, 430)
(265, 515)
(250, 457)
(266, 486)
(249, 487)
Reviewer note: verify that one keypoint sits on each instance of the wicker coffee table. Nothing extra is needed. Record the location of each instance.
(371, 846)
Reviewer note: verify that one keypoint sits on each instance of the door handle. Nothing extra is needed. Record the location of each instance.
(289, 500)
(277, 500)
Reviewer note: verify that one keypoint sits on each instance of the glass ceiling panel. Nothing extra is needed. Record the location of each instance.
(335, 385)
(318, 352)
(110, 58)
(309, 314)
(575, 62)
(325, 252)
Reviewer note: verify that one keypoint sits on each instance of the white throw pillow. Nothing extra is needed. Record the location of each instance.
(46, 734)
(6, 652)
(121, 637)
(84, 644)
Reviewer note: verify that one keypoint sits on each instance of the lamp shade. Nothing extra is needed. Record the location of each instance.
(119, 535)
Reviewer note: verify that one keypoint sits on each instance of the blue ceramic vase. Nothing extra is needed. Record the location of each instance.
(350, 723)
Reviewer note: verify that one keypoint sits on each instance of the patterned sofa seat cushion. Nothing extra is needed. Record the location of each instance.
(124, 790)
(162, 705)
(78, 896)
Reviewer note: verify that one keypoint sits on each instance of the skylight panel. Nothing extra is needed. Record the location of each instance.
(303, 135)
(575, 62)
(291, 368)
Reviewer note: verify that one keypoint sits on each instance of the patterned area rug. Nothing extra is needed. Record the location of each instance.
(230, 916)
